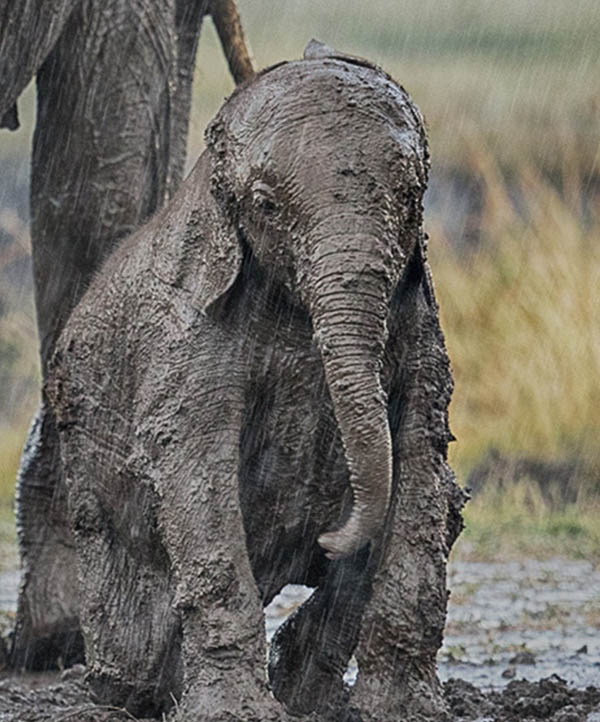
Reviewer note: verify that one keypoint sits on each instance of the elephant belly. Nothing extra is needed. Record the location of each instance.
(293, 484)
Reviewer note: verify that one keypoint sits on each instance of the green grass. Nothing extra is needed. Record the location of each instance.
(19, 394)
(519, 523)
(8, 539)
(19, 384)
(11, 445)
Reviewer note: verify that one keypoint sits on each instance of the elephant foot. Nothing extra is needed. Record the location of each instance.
(232, 701)
(111, 687)
(143, 684)
(407, 690)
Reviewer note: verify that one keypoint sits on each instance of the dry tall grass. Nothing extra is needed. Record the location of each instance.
(522, 319)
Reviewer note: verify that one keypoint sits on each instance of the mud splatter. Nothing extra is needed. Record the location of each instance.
(549, 699)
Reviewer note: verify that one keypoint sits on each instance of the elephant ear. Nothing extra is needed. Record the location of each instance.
(316, 50)
(208, 252)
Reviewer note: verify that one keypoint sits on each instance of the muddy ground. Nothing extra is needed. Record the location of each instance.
(522, 643)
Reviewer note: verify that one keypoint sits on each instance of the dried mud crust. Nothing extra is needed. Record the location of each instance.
(36, 698)
(31, 699)
(549, 699)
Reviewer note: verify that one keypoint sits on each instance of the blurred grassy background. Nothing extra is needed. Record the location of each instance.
(511, 95)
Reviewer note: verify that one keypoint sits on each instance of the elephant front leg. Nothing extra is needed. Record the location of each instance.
(403, 624)
(223, 646)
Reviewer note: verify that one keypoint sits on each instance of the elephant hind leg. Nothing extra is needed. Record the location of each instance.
(47, 632)
(310, 651)
(132, 635)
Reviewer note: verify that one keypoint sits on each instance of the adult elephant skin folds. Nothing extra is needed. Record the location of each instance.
(254, 392)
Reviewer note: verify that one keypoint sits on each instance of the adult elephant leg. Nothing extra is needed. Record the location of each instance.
(310, 651)
(28, 32)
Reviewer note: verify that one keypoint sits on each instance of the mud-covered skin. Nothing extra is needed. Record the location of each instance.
(252, 378)
(114, 82)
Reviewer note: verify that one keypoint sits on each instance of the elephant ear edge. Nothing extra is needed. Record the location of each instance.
(221, 261)
(210, 255)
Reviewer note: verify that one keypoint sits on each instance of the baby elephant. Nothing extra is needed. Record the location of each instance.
(254, 392)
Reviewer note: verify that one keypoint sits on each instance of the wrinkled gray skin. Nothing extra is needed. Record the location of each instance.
(254, 392)
(114, 81)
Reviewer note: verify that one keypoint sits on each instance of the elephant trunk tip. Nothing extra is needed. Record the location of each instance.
(340, 544)
(356, 533)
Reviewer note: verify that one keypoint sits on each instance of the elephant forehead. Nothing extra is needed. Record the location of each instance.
(331, 153)
(296, 93)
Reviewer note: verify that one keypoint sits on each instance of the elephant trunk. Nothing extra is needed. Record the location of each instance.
(349, 303)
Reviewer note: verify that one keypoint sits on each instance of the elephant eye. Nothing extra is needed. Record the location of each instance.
(263, 198)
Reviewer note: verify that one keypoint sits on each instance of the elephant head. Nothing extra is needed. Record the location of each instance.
(319, 166)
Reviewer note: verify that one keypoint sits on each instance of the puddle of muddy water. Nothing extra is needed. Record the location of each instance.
(515, 620)
(501, 615)
(9, 587)
(523, 620)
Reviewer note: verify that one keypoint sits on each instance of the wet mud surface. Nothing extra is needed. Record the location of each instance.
(522, 643)
(523, 619)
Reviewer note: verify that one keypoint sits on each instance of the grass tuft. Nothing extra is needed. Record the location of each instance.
(11, 445)
(519, 522)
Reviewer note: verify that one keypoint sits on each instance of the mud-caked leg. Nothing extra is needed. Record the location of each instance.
(216, 598)
(123, 580)
(47, 630)
(403, 625)
(311, 650)
(131, 632)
